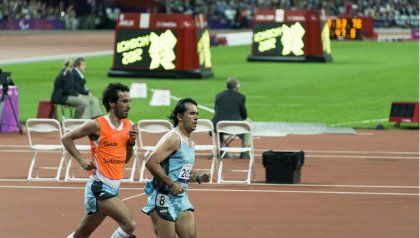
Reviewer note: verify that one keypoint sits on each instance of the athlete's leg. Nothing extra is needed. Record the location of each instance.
(117, 210)
(162, 227)
(185, 225)
(88, 224)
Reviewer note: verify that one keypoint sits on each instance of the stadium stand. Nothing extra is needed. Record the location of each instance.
(101, 14)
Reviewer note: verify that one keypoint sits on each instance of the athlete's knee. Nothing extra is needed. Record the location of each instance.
(81, 234)
(129, 226)
(191, 234)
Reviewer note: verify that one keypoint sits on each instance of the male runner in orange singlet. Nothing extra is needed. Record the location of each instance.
(112, 138)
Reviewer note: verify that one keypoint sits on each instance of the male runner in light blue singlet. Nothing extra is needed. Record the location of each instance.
(171, 165)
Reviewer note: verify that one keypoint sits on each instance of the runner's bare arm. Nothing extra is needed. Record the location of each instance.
(162, 152)
(88, 128)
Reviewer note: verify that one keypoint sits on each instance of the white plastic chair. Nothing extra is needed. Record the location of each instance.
(205, 128)
(131, 166)
(82, 145)
(146, 128)
(235, 128)
(44, 136)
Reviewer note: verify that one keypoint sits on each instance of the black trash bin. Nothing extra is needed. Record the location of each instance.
(283, 166)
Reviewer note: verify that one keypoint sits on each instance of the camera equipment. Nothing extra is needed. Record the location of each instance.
(5, 78)
(5, 81)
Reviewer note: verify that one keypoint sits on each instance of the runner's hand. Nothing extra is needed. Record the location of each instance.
(176, 188)
(132, 135)
(204, 177)
(86, 165)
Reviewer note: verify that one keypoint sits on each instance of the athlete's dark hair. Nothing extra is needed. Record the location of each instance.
(110, 94)
(180, 108)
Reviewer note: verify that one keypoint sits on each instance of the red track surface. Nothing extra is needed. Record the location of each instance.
(363, 185)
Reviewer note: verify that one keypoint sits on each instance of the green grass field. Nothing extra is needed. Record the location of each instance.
(358, 86)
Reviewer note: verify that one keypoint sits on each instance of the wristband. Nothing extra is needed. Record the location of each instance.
(195, 178)
(131, 145)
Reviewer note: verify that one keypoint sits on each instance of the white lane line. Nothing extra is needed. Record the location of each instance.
(16, 151)
(306, 156)
(41, 187)
(15, 146)
(54, 187)
(311, 192)
(257, 150)
(365, 157)
(128, 198)
(416, 155)
(379, 157)
(334, 185)
(349, 151)
(229, 190)
(141, 184)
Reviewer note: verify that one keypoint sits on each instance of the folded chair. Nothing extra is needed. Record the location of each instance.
(83, 145)
(205, 129)
(131, 167)
(235, 128)
(45, 137)
(148, 129)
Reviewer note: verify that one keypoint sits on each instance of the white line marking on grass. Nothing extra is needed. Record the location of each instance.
(199, 106)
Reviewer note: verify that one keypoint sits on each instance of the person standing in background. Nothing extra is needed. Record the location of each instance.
(81, 87)
(112, 138)
(230, 105)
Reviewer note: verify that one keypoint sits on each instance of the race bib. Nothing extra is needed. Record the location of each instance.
(184, 174)
(162, 206)
(162, 200)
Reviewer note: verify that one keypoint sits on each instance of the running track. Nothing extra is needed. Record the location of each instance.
(363, 185)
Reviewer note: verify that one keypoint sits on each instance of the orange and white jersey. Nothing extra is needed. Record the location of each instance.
(109, 152)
